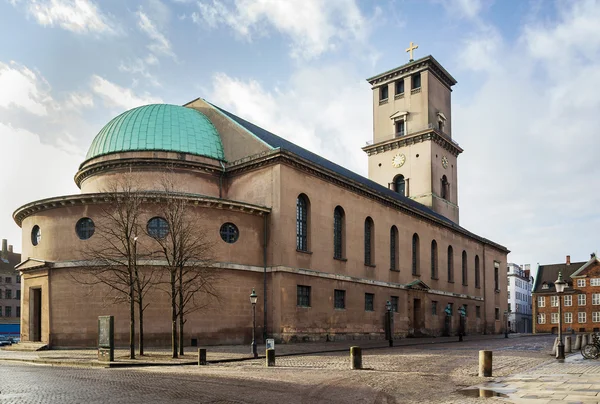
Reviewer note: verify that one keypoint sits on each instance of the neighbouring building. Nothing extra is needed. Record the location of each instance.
(10, 291)
(580, 300)
(324, 247)
(520, 286)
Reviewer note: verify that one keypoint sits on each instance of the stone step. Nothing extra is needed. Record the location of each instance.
(27, 346)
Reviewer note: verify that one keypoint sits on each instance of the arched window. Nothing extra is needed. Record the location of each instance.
(477, 279)
(465, 273)
(369, 241)
(415, 254)
(434, 260)
(338, 233)
(450, 264)
(394, 249)
(400, 185)
(302, 223)
(445, 188)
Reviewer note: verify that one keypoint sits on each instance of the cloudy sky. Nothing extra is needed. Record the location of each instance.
(525, 106)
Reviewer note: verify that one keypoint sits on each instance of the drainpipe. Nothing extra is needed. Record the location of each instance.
(265, 280)
(221, 180)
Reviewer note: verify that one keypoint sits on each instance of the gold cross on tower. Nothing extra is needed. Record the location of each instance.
(410, 50)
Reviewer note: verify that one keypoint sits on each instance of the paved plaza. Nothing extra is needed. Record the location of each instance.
(425, 372)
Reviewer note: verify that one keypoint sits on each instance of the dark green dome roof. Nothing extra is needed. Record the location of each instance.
(159, 127)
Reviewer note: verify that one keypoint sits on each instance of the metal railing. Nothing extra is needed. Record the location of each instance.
(429, 126)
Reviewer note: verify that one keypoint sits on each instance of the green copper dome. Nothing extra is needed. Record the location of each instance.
(159, 127)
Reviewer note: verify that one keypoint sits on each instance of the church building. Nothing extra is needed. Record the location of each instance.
(324, 248)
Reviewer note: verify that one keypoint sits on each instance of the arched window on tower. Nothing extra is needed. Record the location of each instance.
(338, 233)
(477, 276)
(450, 264)
(464, 268)
(434, 260)
(394, 249)
(445, 188)
(369, 236)
(400, 184)
(415, 254)
(302, 223)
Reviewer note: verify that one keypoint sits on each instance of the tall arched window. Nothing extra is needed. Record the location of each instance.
(450, 264)
(400, 185)
(465, 273)
(445, 188)
(369, 236)
(477, 279)
(434, 260)
(302, 223)
(338, 233)
(415, 254)
(394, 249)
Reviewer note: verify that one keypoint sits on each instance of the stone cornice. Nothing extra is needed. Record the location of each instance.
(149, 197)
(422, 136)
(281, 156)
(427, 62)
(161, 163)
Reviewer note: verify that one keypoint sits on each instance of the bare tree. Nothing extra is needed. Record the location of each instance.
(187, 253)
(113, 257)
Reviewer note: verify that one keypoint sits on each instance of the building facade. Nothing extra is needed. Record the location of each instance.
(520, 286)
(580, 301)
(324, 247)
(10, 291)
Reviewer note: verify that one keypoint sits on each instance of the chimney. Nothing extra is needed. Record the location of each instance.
(568, 260)
(4, 248)
(592, 255)
(10, 248)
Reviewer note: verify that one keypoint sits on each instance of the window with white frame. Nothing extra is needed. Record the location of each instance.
(541, 301)
(581, 300)
(581, 318)
(554, 318)
(554, 301)
(568, 300)
(595, 282)
(541, 318)
(596, 317)
(580, 283)
(596, 299)
(568, 318)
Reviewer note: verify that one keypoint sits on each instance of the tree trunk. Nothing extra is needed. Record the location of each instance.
(141, 316)
(173, 316)
(180, 311)
(131, 323)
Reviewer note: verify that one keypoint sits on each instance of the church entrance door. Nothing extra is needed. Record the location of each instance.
(35, 314)
(417, 317)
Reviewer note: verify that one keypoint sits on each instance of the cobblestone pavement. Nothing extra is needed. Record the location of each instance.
(410, 374)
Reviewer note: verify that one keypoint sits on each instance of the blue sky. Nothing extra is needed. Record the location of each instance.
(524, 108)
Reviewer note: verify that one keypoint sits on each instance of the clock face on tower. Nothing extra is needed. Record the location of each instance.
(445, 162)
(398, 160)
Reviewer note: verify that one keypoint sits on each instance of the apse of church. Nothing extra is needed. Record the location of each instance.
(324, 248)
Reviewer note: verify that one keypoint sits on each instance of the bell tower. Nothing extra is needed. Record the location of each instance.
(412, 151)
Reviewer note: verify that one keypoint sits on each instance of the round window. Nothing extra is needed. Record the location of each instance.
(85, 228)
(157, 227)
(36, 235)
(229, 233)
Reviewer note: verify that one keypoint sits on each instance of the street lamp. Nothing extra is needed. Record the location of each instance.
(559, 284)
(506, 314)
(253, 298)
(389, 323)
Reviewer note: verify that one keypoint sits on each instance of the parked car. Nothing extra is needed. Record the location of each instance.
(5, 341)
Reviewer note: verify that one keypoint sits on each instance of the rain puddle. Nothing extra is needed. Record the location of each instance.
(483, 393)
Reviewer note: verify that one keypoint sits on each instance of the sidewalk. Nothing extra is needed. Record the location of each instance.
(577, 380)
(217, 354)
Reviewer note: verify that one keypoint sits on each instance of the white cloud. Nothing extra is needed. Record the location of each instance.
(79, 16)
(119, 97)
(160, 44)
(333, 127)
(140, 66)
(77, 101)
(20, 87)
(47, 171)
(468, 9)
(314, 28)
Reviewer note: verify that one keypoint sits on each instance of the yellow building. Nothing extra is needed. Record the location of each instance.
(324, 247)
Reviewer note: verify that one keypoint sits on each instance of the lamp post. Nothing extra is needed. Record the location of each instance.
(389, 323)
(506, 314)
(253, 298)
(559, 284)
